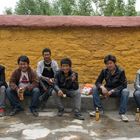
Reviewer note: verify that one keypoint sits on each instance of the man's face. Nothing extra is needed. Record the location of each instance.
(110, 65)
(47, 56)
(23, 66)
(66, 68)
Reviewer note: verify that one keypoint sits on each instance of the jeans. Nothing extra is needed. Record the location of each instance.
(15, 102)
(2, 96)
(123, 95)
(137, 97)
(74, 94)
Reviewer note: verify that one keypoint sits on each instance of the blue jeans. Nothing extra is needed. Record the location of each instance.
(2, 96)
(137, 97)
(15, 102)
(123, 95)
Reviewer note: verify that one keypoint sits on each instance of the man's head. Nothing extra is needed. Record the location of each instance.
(110, 62)
(23, 62)
(46, 53)
(66, 65)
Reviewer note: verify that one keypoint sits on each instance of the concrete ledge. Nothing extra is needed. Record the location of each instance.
(87, 102)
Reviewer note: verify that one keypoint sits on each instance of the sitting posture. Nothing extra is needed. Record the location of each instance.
(137, 89)
(46, 69)
(115, 86)
(67, 85)
(3, 86)
(23, 82)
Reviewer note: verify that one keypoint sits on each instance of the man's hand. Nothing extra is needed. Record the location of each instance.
(60, 93)
(110, 92)
(73, 77)
(104, 90)
(50, 81)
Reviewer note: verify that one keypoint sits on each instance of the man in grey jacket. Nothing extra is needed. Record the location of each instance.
(137, 89)
(46, 70)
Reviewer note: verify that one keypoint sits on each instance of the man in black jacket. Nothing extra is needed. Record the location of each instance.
(115, 86)
(3, 86)
(67, 84)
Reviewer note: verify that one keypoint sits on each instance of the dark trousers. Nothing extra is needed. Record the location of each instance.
(15, 102)
(137, 97)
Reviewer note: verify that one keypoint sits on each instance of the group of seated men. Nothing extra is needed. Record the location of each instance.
(49, 80)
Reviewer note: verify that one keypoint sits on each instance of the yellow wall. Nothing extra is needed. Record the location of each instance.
(85, 46)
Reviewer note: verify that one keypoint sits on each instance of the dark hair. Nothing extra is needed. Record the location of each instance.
(109, 58)
(23, 58)
(46, 50)
(66, 61)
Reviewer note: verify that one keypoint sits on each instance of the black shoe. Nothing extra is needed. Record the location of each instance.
(60, 112)
(15, 111)
(79, 116)
(34, 112)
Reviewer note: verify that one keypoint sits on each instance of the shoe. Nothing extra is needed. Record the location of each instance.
(60, 112)
(124, 118)
(79, 116)
(93, 113)
(2, 112)
(15, 111)
(34, 112)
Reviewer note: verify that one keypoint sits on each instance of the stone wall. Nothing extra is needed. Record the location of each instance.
(86, 46)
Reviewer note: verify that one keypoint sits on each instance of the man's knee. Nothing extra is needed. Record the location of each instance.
(8, 91)
(36, 91)
(137, 93)
(2, 88)
(54, 93)
(125, 92)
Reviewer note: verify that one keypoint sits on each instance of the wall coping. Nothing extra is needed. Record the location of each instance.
(68, 21)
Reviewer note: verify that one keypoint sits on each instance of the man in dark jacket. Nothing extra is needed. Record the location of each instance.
(67, 84)
(3, 86)
(23, 81)
(115, 86)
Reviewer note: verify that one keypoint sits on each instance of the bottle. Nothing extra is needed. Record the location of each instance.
(137, 118)
(21, 94)
(97, 114)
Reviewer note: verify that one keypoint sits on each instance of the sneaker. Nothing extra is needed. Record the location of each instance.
(93, 113)
(124, 118)
(79, 116)
(2, 112)
(60, 112)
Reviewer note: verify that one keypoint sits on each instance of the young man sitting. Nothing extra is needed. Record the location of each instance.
(3, 86)
(46, 69)
(115, 86)
(67, 84)
(137, 89)
(23, 81)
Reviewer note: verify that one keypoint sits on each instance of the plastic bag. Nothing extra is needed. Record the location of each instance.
(86, 89)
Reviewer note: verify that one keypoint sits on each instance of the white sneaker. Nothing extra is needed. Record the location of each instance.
(93, 113)
(124, 118)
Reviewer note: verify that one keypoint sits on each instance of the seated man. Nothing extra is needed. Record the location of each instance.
(66, 81)
(137, 89)
(46, 69)
(23, 80)
(3, 86)
(115, 86)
